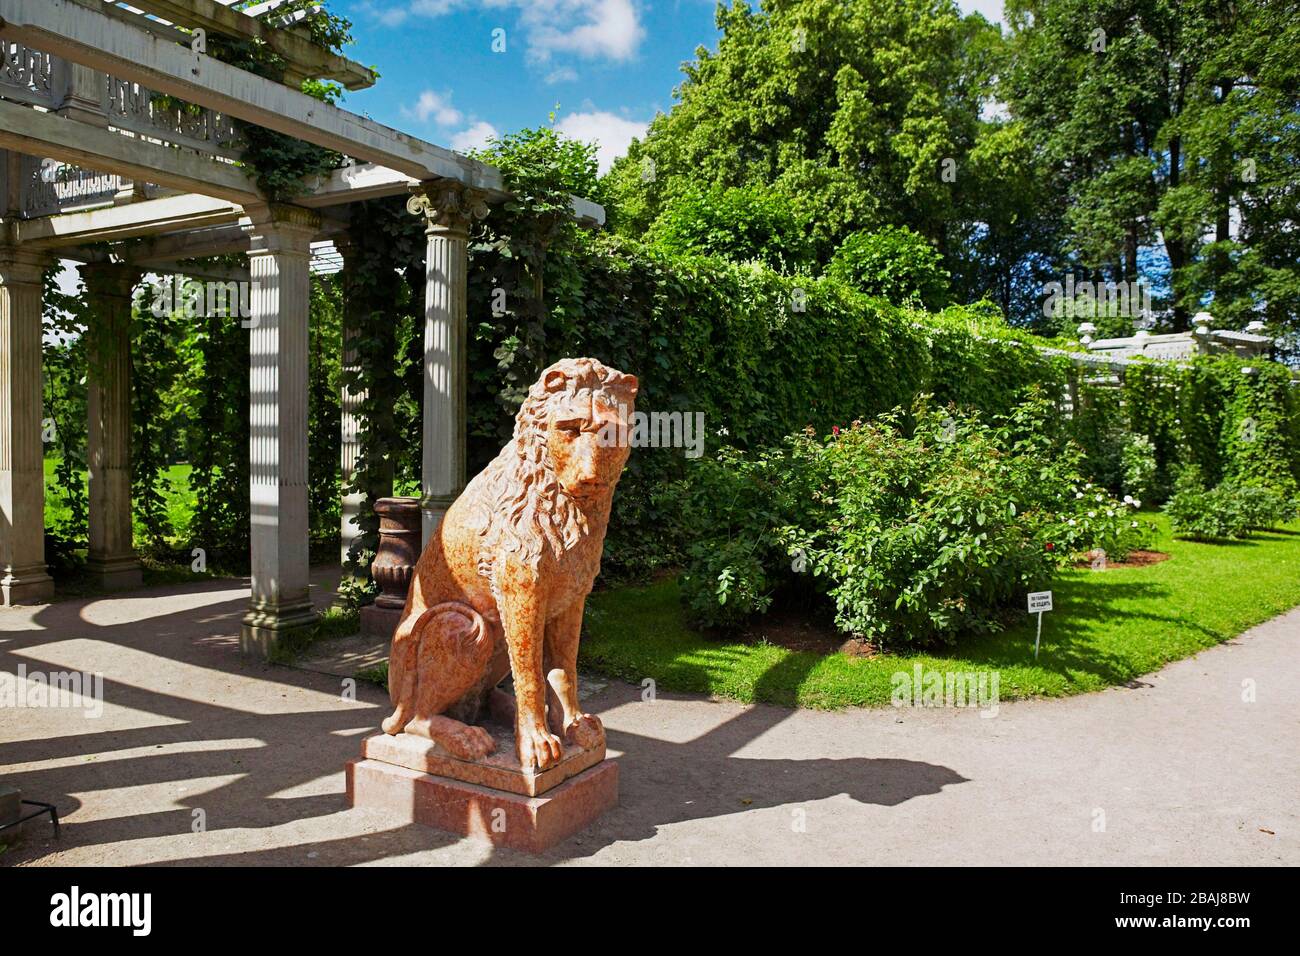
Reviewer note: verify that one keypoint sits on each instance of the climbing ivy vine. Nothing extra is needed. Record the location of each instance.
(383, 291)
(282, 164)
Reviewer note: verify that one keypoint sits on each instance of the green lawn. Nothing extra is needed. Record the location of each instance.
(180, 502)
(1108, 628)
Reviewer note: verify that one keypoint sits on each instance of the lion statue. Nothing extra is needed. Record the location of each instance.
(501, 586)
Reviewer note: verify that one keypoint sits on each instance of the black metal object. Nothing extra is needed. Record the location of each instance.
(44, 808)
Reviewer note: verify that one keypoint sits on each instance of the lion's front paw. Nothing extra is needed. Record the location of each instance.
(536, 747)
(469, 743)
(585, 731)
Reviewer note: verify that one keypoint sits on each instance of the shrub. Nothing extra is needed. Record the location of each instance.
(932, 535)
(725, 586)
(1264, 508)
(743, 224)
(1096, 522)
(1206, 515)
(740, 500)
(894, 263)
(914, 533)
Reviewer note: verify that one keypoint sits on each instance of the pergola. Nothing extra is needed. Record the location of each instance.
(88, 85)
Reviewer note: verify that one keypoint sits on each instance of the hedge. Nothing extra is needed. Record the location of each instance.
(763, 355)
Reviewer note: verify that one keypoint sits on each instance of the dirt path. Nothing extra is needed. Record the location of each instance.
(1178, 769)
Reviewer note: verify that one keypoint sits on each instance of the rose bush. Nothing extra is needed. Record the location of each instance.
(918, 526)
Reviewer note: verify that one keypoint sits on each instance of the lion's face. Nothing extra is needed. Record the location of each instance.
(580, 428)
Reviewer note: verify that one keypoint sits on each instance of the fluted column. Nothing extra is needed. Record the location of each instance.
(448, 208)
(23, 575)
(280, 300)
(350, 404)
(112, 557)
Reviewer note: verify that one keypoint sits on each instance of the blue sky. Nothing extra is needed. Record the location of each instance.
(608, 65)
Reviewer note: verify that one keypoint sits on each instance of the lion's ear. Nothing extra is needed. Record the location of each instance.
(554, 381)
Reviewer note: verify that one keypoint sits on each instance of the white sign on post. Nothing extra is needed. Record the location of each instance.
(1039, 601)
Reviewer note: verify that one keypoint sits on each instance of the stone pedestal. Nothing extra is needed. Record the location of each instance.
(413, 780)
(394, 564)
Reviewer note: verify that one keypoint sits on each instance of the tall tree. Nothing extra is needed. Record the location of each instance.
(1151, 116)
(850, 110)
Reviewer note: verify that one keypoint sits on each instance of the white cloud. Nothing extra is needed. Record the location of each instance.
(610, 29)
(565, 74)
(591, 29)
(475, 137)
(389, 16)
(611, 133)
(466, 133)
(434, 106)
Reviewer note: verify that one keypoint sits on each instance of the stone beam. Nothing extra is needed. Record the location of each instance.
(115, 223)
(303, 56)
(84, 35)
(371, 181)
(144, 23)
(26, 130)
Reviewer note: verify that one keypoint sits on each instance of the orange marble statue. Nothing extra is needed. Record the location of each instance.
(500, 588)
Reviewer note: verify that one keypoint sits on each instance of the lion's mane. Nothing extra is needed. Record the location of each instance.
(527, 510)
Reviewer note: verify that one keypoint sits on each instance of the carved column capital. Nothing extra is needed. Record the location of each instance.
(282, 228)
(447, 205)
(110, 279)
(19, 266)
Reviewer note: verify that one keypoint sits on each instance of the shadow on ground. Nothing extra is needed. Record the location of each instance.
(218, 717)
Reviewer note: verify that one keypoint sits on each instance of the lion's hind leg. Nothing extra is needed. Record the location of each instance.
(452, 658)
(403, 660)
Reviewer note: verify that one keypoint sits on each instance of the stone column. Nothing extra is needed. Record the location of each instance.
(350, 403)
(280, 299)
(23, 575)
(112, 558)
(448, 208)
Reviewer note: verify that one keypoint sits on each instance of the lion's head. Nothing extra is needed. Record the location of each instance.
(565, 457)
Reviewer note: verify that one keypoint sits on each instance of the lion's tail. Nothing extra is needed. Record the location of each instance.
(407, 673)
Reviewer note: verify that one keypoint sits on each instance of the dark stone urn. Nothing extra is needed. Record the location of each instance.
(394, 566)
